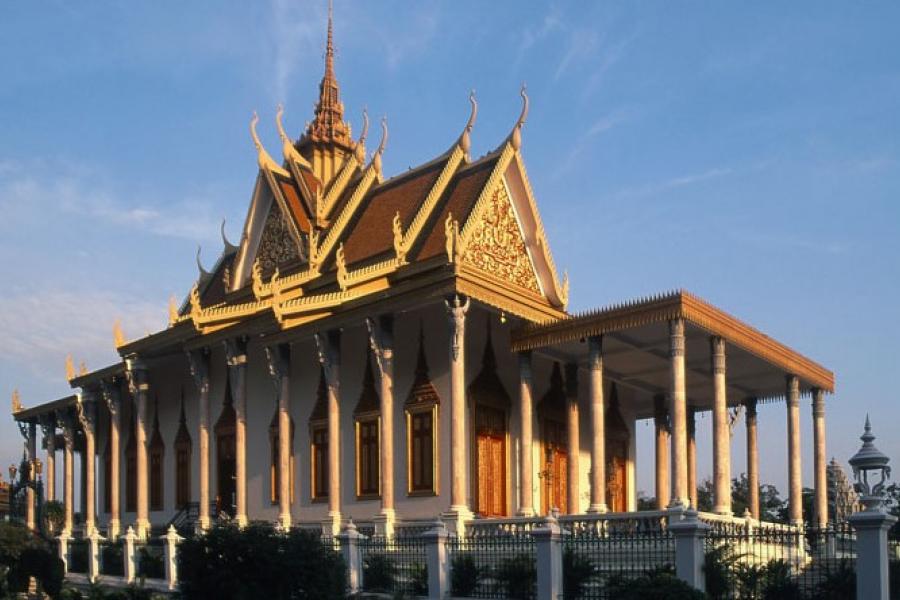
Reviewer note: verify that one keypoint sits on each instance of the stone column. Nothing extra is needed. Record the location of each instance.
(459, 509)
(692, 456)
(381, 339)
(663, 468)
(678, 414)
(87, 414)
(721, 432)
(548, 554)
(329, 349)
(598, 427)
(574, 449)
(752, 457)
(795, 482)
(279, 358)
(140, 391)
(113, 398)
(198, 361)
(873, 580)
(67, 422)
(437, 561)
(236, 359)
(48, 431)
(689, 533)
(526, 448)
(30, 433)
(819, 462)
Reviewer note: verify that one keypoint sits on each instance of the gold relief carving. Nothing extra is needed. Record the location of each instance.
(277, 246)
(341, 265)
(173, 310)
(496, 246)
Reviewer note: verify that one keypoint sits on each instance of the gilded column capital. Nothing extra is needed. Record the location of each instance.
(86, 409)
(717, 346)
(676, 338)
(328, 346)
(236, 352)
(278, 360)
(136, 373)
(112, 396)
(792, 390)
(456, 312)
(595, 353)
(198, 363)
(381, 339)
(818, 402)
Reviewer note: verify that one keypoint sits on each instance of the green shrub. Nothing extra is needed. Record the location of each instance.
(259, 563)
(419, 579)
(720, 568)
(151, 562)
(777, 583)
(656, 585)
(24, 555)
(379, 573)
(112, 559)
(578, 571)
(516, 577)
(78, 556)
(839, 583)
(54, 515)
(464, 575)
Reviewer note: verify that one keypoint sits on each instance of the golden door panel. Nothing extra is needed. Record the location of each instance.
(491, 452)
(616, 484)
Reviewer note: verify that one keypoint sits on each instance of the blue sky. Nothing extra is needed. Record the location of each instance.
(747, 152)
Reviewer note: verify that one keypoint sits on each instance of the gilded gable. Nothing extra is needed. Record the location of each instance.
(496, 245)
(276, 246)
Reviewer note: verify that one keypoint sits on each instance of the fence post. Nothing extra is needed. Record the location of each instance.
(94, 540)
(437, 561)
(128, 561)
(172, 538)
(689, 533)
(349, 543)
(871, 527)
(548, 551)
(64, 538)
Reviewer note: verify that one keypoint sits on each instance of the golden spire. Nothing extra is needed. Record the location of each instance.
(70, 368)
(118, 336)
(328, 126)
(16, 401)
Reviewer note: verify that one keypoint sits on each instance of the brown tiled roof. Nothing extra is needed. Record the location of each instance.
(461, 195)
(372, 233)
(298, 210)
(214, 292)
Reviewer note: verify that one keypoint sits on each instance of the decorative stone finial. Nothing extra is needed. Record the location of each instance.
(870, 459)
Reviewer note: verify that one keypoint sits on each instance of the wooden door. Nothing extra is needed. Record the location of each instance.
(490, 452)
(616, 484)
(555, 470)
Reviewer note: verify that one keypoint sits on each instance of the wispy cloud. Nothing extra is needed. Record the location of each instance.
(297, 31)
(600, 126)
(582, 44)
(651, 189)
(37, 188)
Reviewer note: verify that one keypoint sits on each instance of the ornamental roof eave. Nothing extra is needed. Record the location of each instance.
(34, 413)
(662, 308)
(95, 377)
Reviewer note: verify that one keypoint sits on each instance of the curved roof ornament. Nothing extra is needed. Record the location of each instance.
(465, 140)
(287, 144)
(515, 136)
(376, 159)
(229, 247)
(262, 157)
(360, 147)
(204, 274)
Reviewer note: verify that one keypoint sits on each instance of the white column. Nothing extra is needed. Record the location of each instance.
(574, 448)
(236, 358)
(140, 390)
(678, 414)
(795, 483)
(87, 414)
(456, 311)
(198, 361)
(48, 431)
(752, 457)
(526, 448)
(329, 348)
(821, 476)
(67, 422)
(279, 358)
(721, 432)
(113, 399)
(381, 339)
(598, 426)
(30, 447)
(663, 442)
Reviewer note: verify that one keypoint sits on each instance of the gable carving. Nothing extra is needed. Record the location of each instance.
(495, 245)
(276, 245)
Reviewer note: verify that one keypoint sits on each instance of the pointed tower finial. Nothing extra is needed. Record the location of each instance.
(465, 140)
(515, 137)
(329, 44)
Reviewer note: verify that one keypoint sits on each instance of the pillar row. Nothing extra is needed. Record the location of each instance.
(795, 483)
(750, 420)
(821, 476)
(198, 361)
(678, 414)
(721, 432)
(598, 426)
(236, 359)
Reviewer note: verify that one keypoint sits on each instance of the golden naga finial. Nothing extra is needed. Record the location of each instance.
(287, 144)
(465, 140)
(399, 250)
(229, 247)
(118, 336)
(360, 147)
(173, 310)
(204, 274)
(262, 157)
(196, 307)
(515, 137)
(70, 368)
(376, 159)
(256, 277)
(341, 263)
(16, 402)
(82, 368)
(314, 259)
(275, 286)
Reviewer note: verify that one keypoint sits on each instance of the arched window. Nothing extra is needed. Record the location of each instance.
(367, 423)
(274, 474)
(131, 464)
(554, 463)
(182, 461)
(422, 405)
(318, 436)
(157, 454)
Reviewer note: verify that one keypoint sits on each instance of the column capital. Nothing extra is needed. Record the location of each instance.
(595, 352)
(661, 413)
(86, 408)
(112, 397)
(198, 363)
(792, 389)
(525, 370)
(136, 373)
(381, 339)
(236, 352)
(717, 346)
(571, 381)
(456, 312)
(328, 349)
(278, 360)
(750, 408)
(818, 402)
(48, 426)
(66, 420)
(676, 337)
